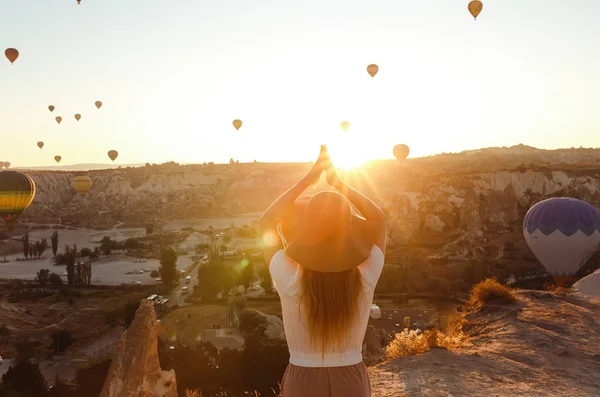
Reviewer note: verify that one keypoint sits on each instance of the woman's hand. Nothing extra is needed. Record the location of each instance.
(332, 177)
(315, 172)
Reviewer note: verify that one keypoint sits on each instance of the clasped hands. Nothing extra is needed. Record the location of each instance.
(323, 163)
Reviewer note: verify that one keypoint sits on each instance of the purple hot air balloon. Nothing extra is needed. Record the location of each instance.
(563, 233)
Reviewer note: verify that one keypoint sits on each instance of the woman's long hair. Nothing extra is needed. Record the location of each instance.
(331, 305)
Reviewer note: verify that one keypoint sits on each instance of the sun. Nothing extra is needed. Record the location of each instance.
(345, 157)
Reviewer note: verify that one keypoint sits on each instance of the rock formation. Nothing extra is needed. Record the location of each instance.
(135, 368)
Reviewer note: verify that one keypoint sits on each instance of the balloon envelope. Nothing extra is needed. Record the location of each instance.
(112, 154)
(345, 125)
(98, 104)
(40, 144)
(237, 124)
(58, 119)
(475, 8)
(82, 184)
(401, 152)
(563, 233)
(57, 159)
(16, 193)
(372, 69)
(77, 116)
(12, 54)
(51, 108)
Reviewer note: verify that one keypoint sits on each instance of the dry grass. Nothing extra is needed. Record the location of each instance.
(196, 393)
(490, 291)
(409, 343)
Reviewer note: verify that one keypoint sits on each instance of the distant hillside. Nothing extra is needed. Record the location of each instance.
(79, 167)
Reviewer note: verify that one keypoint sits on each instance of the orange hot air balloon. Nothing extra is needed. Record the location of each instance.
(237, 124)
(40, 144)
(475, 8)
(372, 69)
(78, 1)
(401, 152)
(82, 184)
(98, 104)
(51, 108)
(77, 116)
(345, 125)
(17, 191)
(112, 154)
(58, 119)
(12, 54)
(57, 159)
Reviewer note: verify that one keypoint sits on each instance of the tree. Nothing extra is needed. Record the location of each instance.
(168, 266)
(154, 274)
(25, 241)
(54, 240)
(26, 378)
(131, 308)
(54, 280)
(61, 341)
(43, 246)
(32, 251)
(43, 276)
(106, 245)
(266, 282)
(247, 276)
(70, 259)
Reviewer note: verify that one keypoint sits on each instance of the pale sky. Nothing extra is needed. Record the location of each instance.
(173, 74)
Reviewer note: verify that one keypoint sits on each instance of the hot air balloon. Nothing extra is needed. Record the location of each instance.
(12, 54)
(57, 159)
(372, 69)
(237, 124)
(563, 233)
(40, 144)
(401, 152)
(475, 8)
(58, 119)
(82, 184)
(113, 154)
(77, 116)
(345, 125)
(98, 104)
(78, 1)
(16, 192)
(51, 108)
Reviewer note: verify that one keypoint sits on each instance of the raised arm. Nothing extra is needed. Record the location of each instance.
(367, 208)
(272, 216)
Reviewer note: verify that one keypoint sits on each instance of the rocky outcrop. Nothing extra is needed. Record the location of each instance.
(545, 345)
(135, 368)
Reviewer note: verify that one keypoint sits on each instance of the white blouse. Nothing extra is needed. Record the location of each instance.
(286, 279)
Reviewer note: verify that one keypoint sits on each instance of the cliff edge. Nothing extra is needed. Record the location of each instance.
(547, 344)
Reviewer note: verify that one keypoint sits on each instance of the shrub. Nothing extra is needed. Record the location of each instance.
(409, 343)
(490, 291)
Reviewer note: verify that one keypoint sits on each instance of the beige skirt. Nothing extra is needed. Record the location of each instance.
(348, 381)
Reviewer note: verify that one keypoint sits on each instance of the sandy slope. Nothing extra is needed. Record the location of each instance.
(545, 345)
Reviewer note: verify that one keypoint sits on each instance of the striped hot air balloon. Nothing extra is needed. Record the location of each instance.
(563, 233)
(82, 184)
(16, 193)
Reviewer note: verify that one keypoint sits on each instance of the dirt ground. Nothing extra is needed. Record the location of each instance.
(37, 321)
(545, 345)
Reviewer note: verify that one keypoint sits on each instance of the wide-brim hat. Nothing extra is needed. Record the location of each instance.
(324, 234)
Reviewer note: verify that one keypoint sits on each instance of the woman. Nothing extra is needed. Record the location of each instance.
(325, 276)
